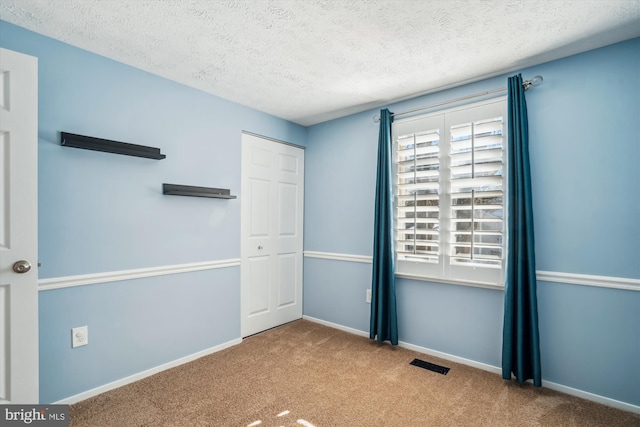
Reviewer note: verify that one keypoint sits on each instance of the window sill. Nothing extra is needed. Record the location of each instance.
(451, 282)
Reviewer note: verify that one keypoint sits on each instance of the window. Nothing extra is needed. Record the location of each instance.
(449, 200)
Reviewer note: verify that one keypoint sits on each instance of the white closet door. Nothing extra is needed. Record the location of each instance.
(272, 226)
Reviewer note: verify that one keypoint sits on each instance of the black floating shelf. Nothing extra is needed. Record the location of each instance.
(188, 190)
(108, 146)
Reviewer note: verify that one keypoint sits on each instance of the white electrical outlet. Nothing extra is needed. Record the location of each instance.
(369, 296)
(79, 336)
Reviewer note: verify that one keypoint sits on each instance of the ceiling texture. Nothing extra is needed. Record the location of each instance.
(309, 61)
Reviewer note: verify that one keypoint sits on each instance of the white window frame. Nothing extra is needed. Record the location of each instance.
(440, 269)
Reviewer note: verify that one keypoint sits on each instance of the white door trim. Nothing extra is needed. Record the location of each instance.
(246, 132)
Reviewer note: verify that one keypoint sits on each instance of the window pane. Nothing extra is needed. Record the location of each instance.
(417, 204)
(476, 170)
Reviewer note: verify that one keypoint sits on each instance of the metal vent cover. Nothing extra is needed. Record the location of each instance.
(430, 366)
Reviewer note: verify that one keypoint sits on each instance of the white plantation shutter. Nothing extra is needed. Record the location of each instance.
(449, 199)
(418, 221)
(476, 171)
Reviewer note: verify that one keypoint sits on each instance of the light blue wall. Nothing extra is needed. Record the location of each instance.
(585, 154)
(104, 212)
(337, 292)
(134, 325)
(585, 159)
(340, 181)
(101, 212)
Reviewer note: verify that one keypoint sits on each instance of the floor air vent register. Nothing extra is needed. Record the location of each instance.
(429, 366)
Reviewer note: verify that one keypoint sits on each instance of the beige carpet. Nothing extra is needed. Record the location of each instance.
(306, 374)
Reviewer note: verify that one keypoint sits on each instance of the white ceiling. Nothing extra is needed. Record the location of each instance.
(313, 60)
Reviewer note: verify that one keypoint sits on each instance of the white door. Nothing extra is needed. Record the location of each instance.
(272, 214)
(18, 228)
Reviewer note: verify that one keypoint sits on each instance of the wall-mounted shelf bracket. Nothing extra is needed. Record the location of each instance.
(108, 146)
(189, 190)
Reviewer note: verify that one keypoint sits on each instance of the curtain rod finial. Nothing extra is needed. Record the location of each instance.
(535, 81)
(376, 118)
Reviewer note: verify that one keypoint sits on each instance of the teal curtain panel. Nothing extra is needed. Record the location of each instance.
(383, 322)
(520, 341)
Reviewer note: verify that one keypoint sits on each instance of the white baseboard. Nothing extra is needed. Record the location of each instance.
(337, 326)
(592, 397)
(136, 377)
(490, 368)
(451, 357)
(408, 346)
(485, 367)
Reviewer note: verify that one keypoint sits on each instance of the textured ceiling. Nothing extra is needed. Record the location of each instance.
(313, 60)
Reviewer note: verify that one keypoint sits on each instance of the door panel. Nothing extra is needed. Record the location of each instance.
(288, 164)
(286, 279)
(258, 287)
(287, 221)
(272, 212)
(259, 205)
(18, 228)
(5, 345)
